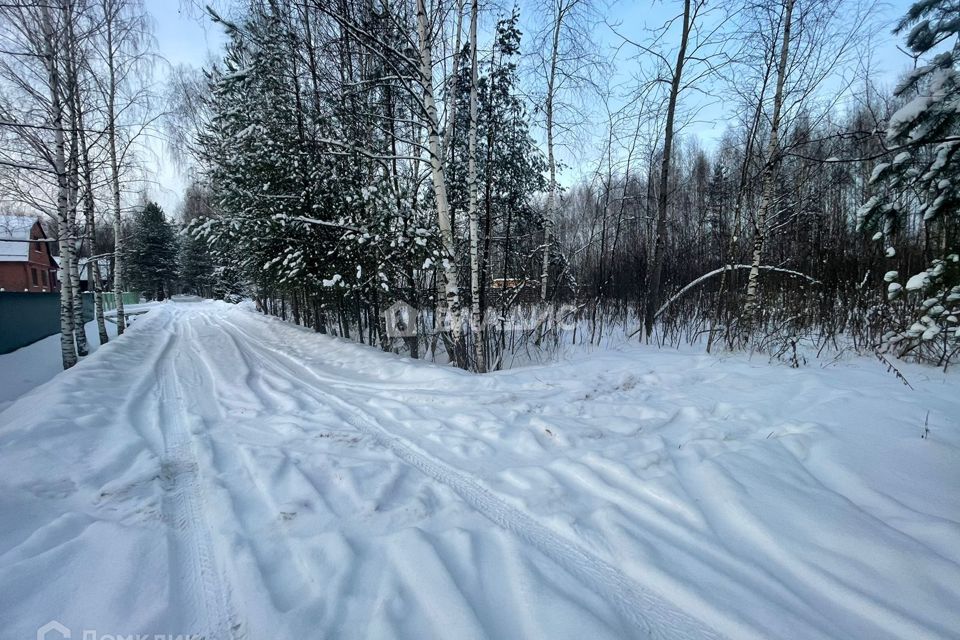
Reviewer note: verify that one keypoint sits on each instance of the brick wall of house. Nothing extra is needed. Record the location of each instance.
(37, 275)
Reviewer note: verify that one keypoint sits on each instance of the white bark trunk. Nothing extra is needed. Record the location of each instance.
(114, 172)
(551, 159)
(451, 289)
(80, 336)
(94, 276)
(766, 200)
(452, 88)
(72, 268)
(67, 345)
(476, 324)
(731, 267)
(72, 104)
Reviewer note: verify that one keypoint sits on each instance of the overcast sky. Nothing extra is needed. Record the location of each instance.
(185, 35)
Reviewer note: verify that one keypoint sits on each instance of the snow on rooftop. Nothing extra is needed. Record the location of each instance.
(14, 227)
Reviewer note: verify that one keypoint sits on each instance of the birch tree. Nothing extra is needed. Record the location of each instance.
(71, 49)
(112, 11)
(561, 11)
(52, 41)
(816, 38)
(94, 274)
(119, 65)
(439, 178)
(35, 40)
(769, 170)
(475, 284)
(566, 61)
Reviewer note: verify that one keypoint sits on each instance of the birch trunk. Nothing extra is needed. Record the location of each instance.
(114, 168)
(76, 300)
(551, 160)
(447, 144)
(769, 173)
(94, 277)
(72, 269)
(726, 279)
(476, 324)
(656, 273)
(67, 345)
(441, 309)
(451, 289)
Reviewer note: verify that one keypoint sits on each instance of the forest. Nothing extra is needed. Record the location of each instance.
(485, 183)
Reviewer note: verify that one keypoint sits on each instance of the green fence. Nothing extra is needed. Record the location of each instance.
(28, 317)
(110, 299)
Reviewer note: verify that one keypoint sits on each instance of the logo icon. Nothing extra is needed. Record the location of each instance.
(401, 320)
(46, 632)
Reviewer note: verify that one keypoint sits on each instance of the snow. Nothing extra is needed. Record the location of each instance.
(30, 366)
(917, 281)
(217, 472)
(16, 229)
(902, 157)
(878, 171)
(907, 115)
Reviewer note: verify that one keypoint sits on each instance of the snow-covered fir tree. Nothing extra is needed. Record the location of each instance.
(308, 207)
(196, 266)
(151, 252)
(510, 164)
(921, 184)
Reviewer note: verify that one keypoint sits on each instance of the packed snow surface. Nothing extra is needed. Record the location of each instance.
(220, 473)
(30, 366)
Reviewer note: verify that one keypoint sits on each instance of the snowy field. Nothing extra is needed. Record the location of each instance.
(220, 473)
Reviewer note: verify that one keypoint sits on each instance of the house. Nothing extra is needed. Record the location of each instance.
(85, 267)
(514, 290)
(25, 265)
(83, 270)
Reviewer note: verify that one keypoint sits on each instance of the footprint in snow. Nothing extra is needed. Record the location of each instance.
(56, 489)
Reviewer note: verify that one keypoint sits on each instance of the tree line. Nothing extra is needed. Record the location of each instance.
(75, 98)
(359, 154)
(363, 165)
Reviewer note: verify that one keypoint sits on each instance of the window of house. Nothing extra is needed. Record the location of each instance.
(43, 276)
(38, 246)
(33, 272)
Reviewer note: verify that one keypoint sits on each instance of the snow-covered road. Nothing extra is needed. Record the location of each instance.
(220, 473)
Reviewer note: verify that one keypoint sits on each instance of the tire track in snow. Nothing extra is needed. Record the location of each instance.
(648, 613)
(183, 498)
(282, 587)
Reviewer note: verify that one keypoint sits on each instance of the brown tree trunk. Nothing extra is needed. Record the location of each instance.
(656, 273)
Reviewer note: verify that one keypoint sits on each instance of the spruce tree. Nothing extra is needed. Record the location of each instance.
(510, 164)
(152, 252)
(196, 266)
(922, 182)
